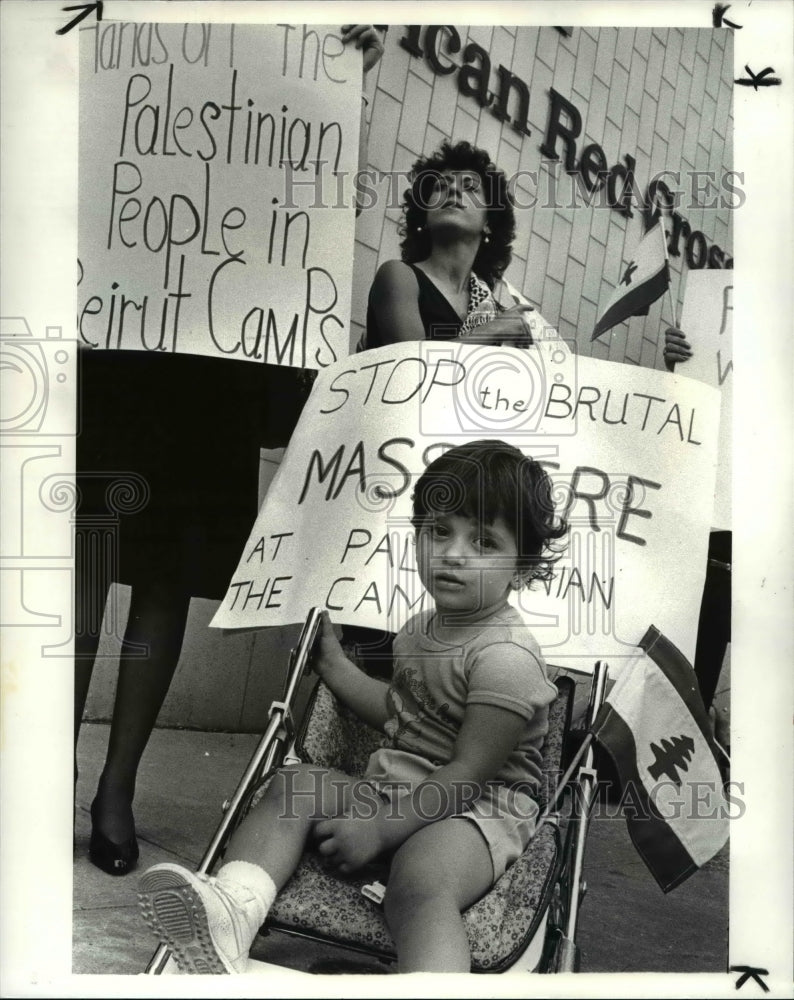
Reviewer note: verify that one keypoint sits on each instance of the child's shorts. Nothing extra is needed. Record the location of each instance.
(505, 817)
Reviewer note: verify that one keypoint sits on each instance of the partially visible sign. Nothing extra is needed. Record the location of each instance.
(707, 321)
(216, 213)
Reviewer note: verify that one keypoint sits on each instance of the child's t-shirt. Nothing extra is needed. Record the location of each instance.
(495, 661)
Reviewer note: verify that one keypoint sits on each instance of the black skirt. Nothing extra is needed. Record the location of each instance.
(168, 460)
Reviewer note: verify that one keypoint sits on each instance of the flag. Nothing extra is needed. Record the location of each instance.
(656, 730)
(644, 279)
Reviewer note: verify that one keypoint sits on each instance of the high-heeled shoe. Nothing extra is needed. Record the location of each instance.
(115, 859)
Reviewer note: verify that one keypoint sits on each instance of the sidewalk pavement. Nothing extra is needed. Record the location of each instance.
(626, 925)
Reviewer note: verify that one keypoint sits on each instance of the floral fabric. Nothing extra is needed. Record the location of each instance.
(318, 901)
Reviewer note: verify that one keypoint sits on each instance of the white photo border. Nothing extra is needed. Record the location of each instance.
(39, 139)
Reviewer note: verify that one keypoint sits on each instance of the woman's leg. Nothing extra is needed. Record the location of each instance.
(157, 624)
(91, 591)
(436, 874)
(714, 624)
(90, 597)
(85, 648)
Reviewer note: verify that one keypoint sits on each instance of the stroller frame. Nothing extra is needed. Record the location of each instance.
(552, 947)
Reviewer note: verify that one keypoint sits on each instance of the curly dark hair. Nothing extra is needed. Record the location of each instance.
(489, 479)
(492, 257)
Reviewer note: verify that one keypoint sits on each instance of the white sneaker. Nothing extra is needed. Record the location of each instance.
(209, 926)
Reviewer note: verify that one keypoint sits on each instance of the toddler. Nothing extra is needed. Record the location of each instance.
(447, 797)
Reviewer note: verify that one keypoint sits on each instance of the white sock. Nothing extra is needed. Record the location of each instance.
(245, 874)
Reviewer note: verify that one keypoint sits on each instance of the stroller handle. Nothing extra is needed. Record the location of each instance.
(301, 654)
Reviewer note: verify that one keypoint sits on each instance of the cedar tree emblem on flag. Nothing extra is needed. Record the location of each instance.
(671, 755)
(644, 279)
(655, 728)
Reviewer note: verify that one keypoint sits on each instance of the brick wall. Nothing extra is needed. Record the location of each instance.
(662, 95)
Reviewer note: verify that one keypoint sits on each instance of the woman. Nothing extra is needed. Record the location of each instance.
(167, 465)
(458, 226)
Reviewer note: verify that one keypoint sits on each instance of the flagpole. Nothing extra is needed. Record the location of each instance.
(667, 261)
(562, 784)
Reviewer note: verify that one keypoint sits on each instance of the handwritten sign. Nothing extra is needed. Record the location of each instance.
(707, 319)
(632, 456)
(216, 166)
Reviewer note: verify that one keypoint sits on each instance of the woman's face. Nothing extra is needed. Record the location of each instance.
(456, 199)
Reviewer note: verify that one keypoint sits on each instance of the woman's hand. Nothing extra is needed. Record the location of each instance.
(367, 38)
(676, 347)
(507, 329)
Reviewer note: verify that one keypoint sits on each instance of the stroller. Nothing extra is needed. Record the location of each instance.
(526, 923)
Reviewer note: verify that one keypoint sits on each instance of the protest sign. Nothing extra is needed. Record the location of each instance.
(631, 453)
(707, 320)
(216, 167)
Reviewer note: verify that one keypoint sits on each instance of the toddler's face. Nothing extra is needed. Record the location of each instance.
(466, 566)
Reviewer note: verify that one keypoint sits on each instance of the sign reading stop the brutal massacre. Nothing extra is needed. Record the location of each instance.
(632, 456)
(199, 231)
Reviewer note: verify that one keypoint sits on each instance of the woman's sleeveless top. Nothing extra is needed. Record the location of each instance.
(440, 320)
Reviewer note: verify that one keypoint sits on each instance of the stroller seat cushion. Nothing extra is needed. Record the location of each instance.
(319, 901)
(336, 738)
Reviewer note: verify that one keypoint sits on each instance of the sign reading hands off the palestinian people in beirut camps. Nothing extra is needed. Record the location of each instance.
(203, 148)
(707, 319)
(631, 453)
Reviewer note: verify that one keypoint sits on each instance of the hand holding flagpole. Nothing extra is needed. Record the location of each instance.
(667, 261)
(676, 346)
